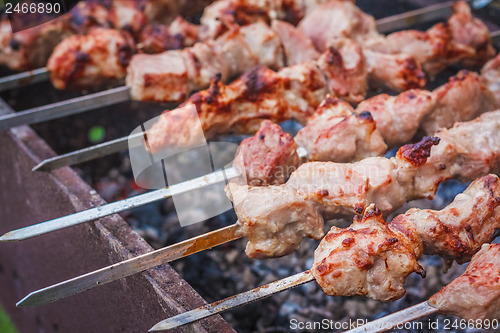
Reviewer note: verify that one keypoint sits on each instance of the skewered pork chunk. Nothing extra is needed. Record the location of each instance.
(463, 98)
(31, 48)
(467, 151)
(172, 75)
(459, 230)
(463, 39)
(297, 47)
(368, 258)
(476, 293)
(97, 58)
(292, 93)
(126, 15)
(490, 74)
(337, 20)
(278, 223)
(398, 72)
(335, 132)
(268, 157)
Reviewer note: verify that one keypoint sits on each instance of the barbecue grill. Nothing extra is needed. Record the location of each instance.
(139, 301)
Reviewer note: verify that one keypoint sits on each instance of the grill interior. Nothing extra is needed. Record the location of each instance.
(224, 270)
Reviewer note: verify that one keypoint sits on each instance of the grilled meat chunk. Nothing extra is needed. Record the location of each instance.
(338, 20)
(127, 15)
(297, 47)
(268, 157)
(460, 229)
(467, 151)
(335, 132)
(368, 258)
(463, 98)
(31, 48)
(476, 293)
(398, 117)
(463, 39)
(94, 59)
(274, 227)
(490, 75)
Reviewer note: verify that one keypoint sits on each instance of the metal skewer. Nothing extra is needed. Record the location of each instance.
(118, 206)
(130, 267)
(121, 94)
(233, 301)
(65, 108)
(24, 79)
(395, 319)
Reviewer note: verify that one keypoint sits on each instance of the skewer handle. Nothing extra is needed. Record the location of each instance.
(233, 301)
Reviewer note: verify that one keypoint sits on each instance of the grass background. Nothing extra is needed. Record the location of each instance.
(6, 325)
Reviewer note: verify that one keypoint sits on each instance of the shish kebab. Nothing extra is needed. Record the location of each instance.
(373, 258)
(481, 283)
(148, 82)
(236, 88)
(318, 190)
(217, 18)
(363, 129)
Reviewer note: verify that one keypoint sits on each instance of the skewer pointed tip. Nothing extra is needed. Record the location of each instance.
(8, 237)
(40, 166)
(26, 301)
(159, 327)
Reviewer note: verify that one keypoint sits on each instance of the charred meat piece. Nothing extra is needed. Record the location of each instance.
(467, 151)
(463, 98)
(368, 258)
(94, 59)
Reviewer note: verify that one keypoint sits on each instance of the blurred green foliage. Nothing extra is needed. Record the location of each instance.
(6, 325)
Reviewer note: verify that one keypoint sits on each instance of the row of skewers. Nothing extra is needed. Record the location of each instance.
(466, 151)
